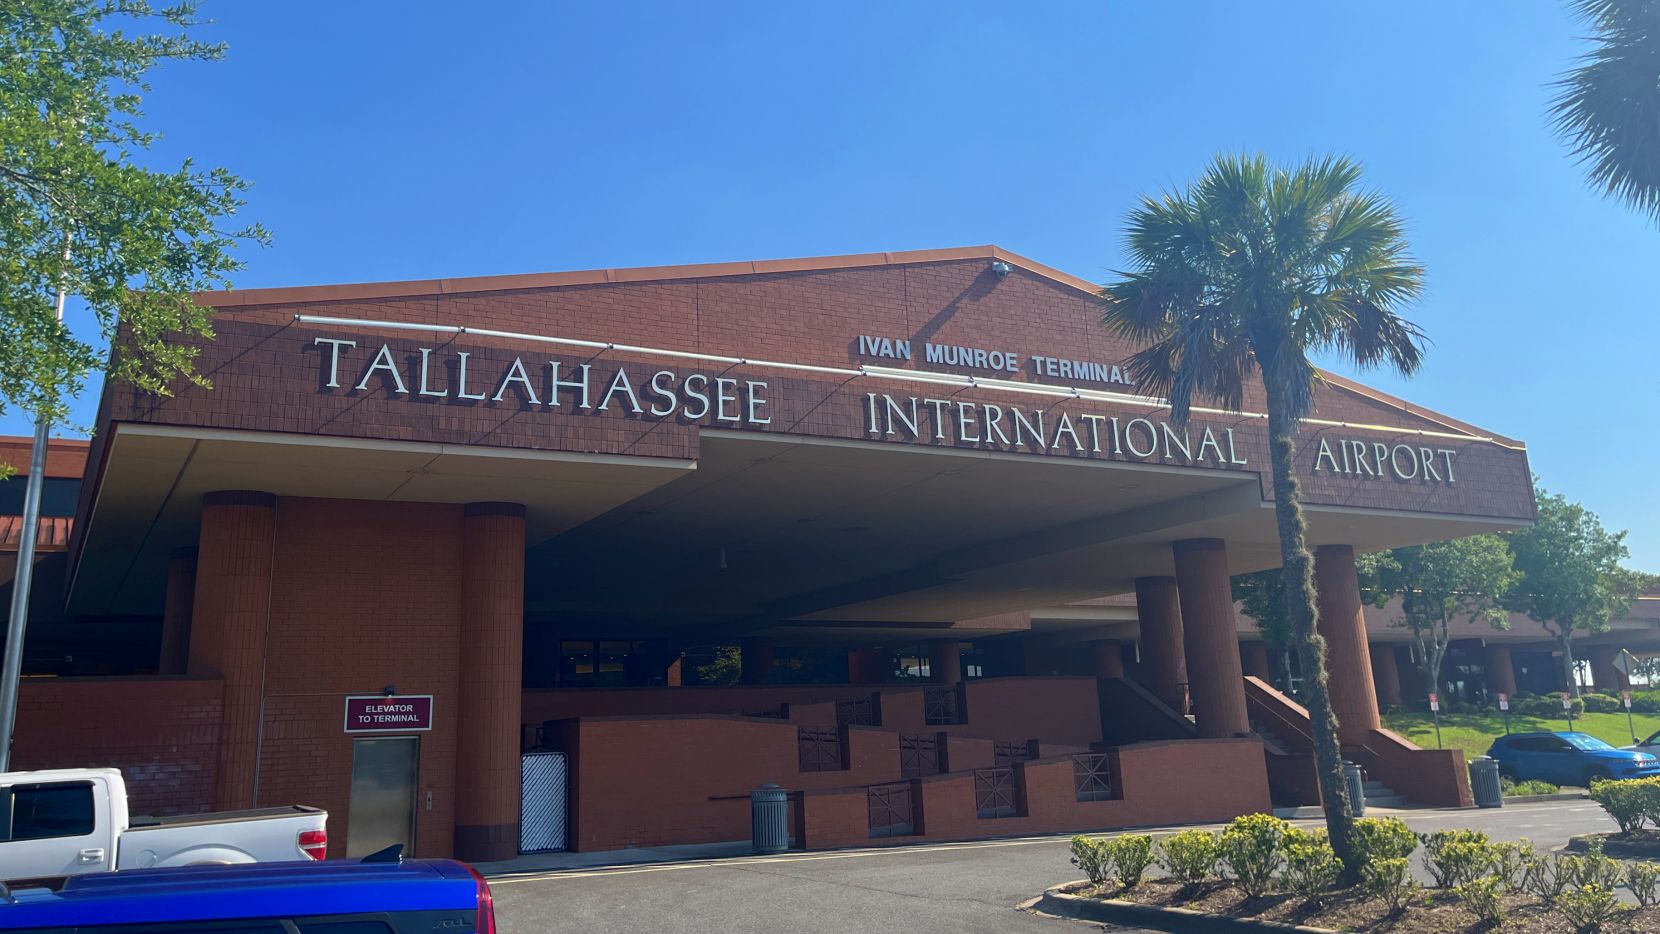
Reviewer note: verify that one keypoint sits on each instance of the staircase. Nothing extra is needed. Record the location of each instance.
(1269, 740)
(1379, 795)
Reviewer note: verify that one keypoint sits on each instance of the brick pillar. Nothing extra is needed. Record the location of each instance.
(1253, 656)
(490, 687)
(1354, 697)
(1386, 674)
(1163, 657)
(754, 660)
(1109, 659)
(865, 665)
(229, 623)
(945, 661)
(174, 658)
(1210, 638)
(1604, 675)
(1500, 673)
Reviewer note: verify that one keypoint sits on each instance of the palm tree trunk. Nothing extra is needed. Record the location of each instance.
(1303, 613)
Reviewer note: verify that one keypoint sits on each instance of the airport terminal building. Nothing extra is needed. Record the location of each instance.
(579, 559)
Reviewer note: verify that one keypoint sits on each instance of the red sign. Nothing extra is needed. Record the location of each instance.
(1504, 701)
(378, 713)
(1567, 702)
(1434, 704)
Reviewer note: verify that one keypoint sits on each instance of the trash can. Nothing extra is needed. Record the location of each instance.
(769, 812)
(1484, 782)
(1357, 788)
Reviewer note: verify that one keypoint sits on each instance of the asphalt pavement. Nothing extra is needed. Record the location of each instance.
(963, 887)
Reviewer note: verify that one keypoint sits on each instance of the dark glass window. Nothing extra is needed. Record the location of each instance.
(57, 496)
(58, 809)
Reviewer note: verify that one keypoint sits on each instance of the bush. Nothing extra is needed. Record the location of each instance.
(1510, 862)
(1631, 802)
(1547, 706)
(1378, 838)
(1588, 907)
(1645, 701)
(1643, 879)
(1546, 876)
(1311, 868)
(1131, 854)
(1593, 868)
(1389, 881)
(1530, 787)
(1092, 857)
(1602, 703)
(1454, 857)
(1483, 898)
(1251, 851)
(1190, 856)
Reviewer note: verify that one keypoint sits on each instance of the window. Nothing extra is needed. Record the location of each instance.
(609, 663)
(58, 809)
(1587, 742)
(57, 495)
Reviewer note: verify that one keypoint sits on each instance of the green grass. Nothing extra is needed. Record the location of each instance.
(1473, 733)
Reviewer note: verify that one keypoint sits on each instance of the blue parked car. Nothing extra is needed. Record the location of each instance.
(1568, 759)
(384, 896)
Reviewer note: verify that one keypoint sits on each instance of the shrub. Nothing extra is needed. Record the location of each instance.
(1602, 703)
(1131, 854)
(1190, 856)
(1454, 857)
(1389, 881)
(1510, 862)
(1483, 897)
(1630, 802)
(1378, 838)
(1588, 907)
(1548, 706)
(1593, 868)
(1546, 876)
(1092, 857)
(1311, 868)
(1529, 787)
(1251, 851)
(1643, 879)
(1645, 701)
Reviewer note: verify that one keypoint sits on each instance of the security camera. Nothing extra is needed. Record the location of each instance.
(1001, 269)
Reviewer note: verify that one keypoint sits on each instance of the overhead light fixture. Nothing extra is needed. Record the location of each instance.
(1001, 269)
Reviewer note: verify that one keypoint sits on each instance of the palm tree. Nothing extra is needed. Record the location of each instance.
(1608, 109)
(1249, 270)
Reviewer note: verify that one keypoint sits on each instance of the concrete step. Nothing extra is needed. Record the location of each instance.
(1385, 801)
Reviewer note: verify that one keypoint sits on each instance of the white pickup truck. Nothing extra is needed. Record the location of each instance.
(69, 822)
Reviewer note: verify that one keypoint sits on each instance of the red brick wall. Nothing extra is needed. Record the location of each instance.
(364, 594)
(162, 733)
(1231, 772)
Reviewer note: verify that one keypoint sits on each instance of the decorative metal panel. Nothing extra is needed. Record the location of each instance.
(818, 750)
(918, 755)
(942, 705)
(994, 793)
(1093, 777)
(892, 809)
(542, 802)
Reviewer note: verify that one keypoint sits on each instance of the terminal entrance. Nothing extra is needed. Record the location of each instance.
(383, 797)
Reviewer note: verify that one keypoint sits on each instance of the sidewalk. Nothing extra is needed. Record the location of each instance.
(605, 859)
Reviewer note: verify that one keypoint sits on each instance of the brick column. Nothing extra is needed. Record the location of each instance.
(1162, 655)
(174, 658)
(490, 692)
(864, 665)
(1210, 637)
(754, 660)
(945, 661)
(1500, 672)
(1353, 696)
(230, 618)
(1604, 675)
(1109, 659)
(1253, 656)
(1386, 674)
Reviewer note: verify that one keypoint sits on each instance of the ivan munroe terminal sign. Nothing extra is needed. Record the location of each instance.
(698, 397)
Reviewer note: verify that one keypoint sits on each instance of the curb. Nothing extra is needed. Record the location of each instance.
(1534, 799)
(1110, 911)
(1618, 849)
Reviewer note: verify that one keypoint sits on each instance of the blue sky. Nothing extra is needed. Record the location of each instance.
(415, 140)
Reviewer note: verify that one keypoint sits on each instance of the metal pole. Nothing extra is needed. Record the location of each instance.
(19, 616)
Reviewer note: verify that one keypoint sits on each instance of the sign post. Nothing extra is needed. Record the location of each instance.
(1625, 697)
(1435, 711)
(1568, 708)
(1504, 707)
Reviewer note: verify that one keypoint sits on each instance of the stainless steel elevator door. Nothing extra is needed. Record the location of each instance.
(384, 771)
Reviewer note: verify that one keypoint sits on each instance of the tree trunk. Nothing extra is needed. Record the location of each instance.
(1302, 611)
(1565, 638)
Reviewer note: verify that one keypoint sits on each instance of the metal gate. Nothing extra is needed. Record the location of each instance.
(542, 807)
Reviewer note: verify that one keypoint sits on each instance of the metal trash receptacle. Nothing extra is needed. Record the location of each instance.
(1484, 782)
(1357, 788)
(769, 817)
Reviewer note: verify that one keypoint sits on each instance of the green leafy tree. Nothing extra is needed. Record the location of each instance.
(1571, 579)
(1248, 271)
(1262, 596)
(1436, 584)
(1608, 108)
(79, 209)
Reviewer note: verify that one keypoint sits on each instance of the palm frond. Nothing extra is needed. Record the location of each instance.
(1607, 109)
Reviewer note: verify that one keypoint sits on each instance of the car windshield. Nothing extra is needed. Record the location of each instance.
(1587, 743)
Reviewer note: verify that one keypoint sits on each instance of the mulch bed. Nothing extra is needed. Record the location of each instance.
(1435, 911)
